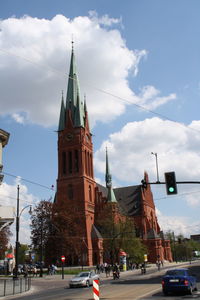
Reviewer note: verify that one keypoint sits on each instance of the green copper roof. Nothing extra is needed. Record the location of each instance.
(111, 196)
(62, 115)
(73, 101)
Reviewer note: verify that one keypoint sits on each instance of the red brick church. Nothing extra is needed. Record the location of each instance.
(76, 186)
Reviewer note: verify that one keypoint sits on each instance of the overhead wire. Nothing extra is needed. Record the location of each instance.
(29, 181)
(101, 90)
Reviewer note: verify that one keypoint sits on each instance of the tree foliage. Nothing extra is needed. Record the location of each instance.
(182, 248)
(5, 235)
(67, 234)
(41, 226)
(119, 234)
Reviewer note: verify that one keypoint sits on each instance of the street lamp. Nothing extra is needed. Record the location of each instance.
(17, 233)
(156, 156)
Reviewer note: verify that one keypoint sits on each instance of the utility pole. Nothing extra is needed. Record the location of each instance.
(17, 237)
(41, 247)
(156, 156)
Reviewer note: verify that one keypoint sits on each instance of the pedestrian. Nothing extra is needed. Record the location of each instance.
(97, 269)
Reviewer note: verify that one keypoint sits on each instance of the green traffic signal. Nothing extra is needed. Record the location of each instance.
(170, 181)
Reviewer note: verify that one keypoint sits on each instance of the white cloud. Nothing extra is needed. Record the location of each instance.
(193, 199)
(8, 197)
(129, 151)
(179, 225)
(18, 118)
(34, 64)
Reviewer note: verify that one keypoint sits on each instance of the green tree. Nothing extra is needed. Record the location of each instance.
(5, 235)
(182, 248)
(41, 218)
(119, 234)
(22, 254)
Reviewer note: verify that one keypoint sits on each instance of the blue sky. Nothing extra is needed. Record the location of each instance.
(143, 52)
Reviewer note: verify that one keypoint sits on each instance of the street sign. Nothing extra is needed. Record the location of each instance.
(63, 258)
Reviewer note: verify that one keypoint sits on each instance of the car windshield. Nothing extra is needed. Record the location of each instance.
(83, 275)
(176, 272)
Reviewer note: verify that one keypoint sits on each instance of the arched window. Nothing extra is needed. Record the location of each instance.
(86, 165)
(90, 193)
(64, 163)
(76, 161)
(70, 162)
(70, 191)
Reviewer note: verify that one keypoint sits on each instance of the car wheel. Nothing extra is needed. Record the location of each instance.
(190, 290)
(165, 293)
(87, 283)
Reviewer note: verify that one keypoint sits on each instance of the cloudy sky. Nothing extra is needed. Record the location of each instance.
(138, 64)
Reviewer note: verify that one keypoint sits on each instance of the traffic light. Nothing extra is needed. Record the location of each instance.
(170, 180)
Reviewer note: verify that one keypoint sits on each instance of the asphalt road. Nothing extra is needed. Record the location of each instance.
(131, 285)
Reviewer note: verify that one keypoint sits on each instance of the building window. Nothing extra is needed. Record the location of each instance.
(70, 162)
(70, 191)
(90, 193)
(86, 166)
(88, 163)
(64, 163)
(76, 161)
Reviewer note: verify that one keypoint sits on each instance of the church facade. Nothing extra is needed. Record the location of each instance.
(78, 191)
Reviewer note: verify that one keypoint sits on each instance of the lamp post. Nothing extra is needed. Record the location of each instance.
(156, 156)
(17, 233)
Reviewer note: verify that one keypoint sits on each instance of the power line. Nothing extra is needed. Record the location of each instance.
(101, 90)
(178, 195)
(29, 181)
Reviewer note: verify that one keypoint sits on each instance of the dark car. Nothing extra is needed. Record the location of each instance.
(179, 280)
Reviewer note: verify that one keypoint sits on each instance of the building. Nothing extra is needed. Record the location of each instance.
(4, 137)
(82, 196)
(6, 212)
(195, 237)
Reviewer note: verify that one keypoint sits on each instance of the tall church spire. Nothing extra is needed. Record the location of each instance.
(73, 101)
(108, 178)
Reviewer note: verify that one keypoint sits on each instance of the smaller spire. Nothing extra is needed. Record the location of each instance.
(111, 195)
(108, 177)
(61, 125)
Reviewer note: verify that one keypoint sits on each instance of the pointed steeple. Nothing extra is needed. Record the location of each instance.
(61, 125)
(111, 196)
(108, 176)
(73, 101)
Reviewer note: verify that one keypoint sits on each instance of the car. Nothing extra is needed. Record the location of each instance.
(179, 280)
(83, 279)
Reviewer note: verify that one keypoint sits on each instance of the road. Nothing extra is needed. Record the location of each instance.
(131, 286)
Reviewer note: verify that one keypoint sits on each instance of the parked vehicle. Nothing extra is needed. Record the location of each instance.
(83, 279)
(179, 280)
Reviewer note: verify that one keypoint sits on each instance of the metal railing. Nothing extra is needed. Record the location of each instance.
(14, 286)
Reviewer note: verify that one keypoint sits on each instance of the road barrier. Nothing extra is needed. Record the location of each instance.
(96, 289)
(14, 286)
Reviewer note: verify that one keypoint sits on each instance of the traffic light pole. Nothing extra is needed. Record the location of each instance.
(178, 182)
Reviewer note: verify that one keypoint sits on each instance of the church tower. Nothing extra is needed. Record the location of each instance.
(75, 182)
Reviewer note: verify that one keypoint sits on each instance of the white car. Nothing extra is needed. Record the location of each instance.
(83, 279)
